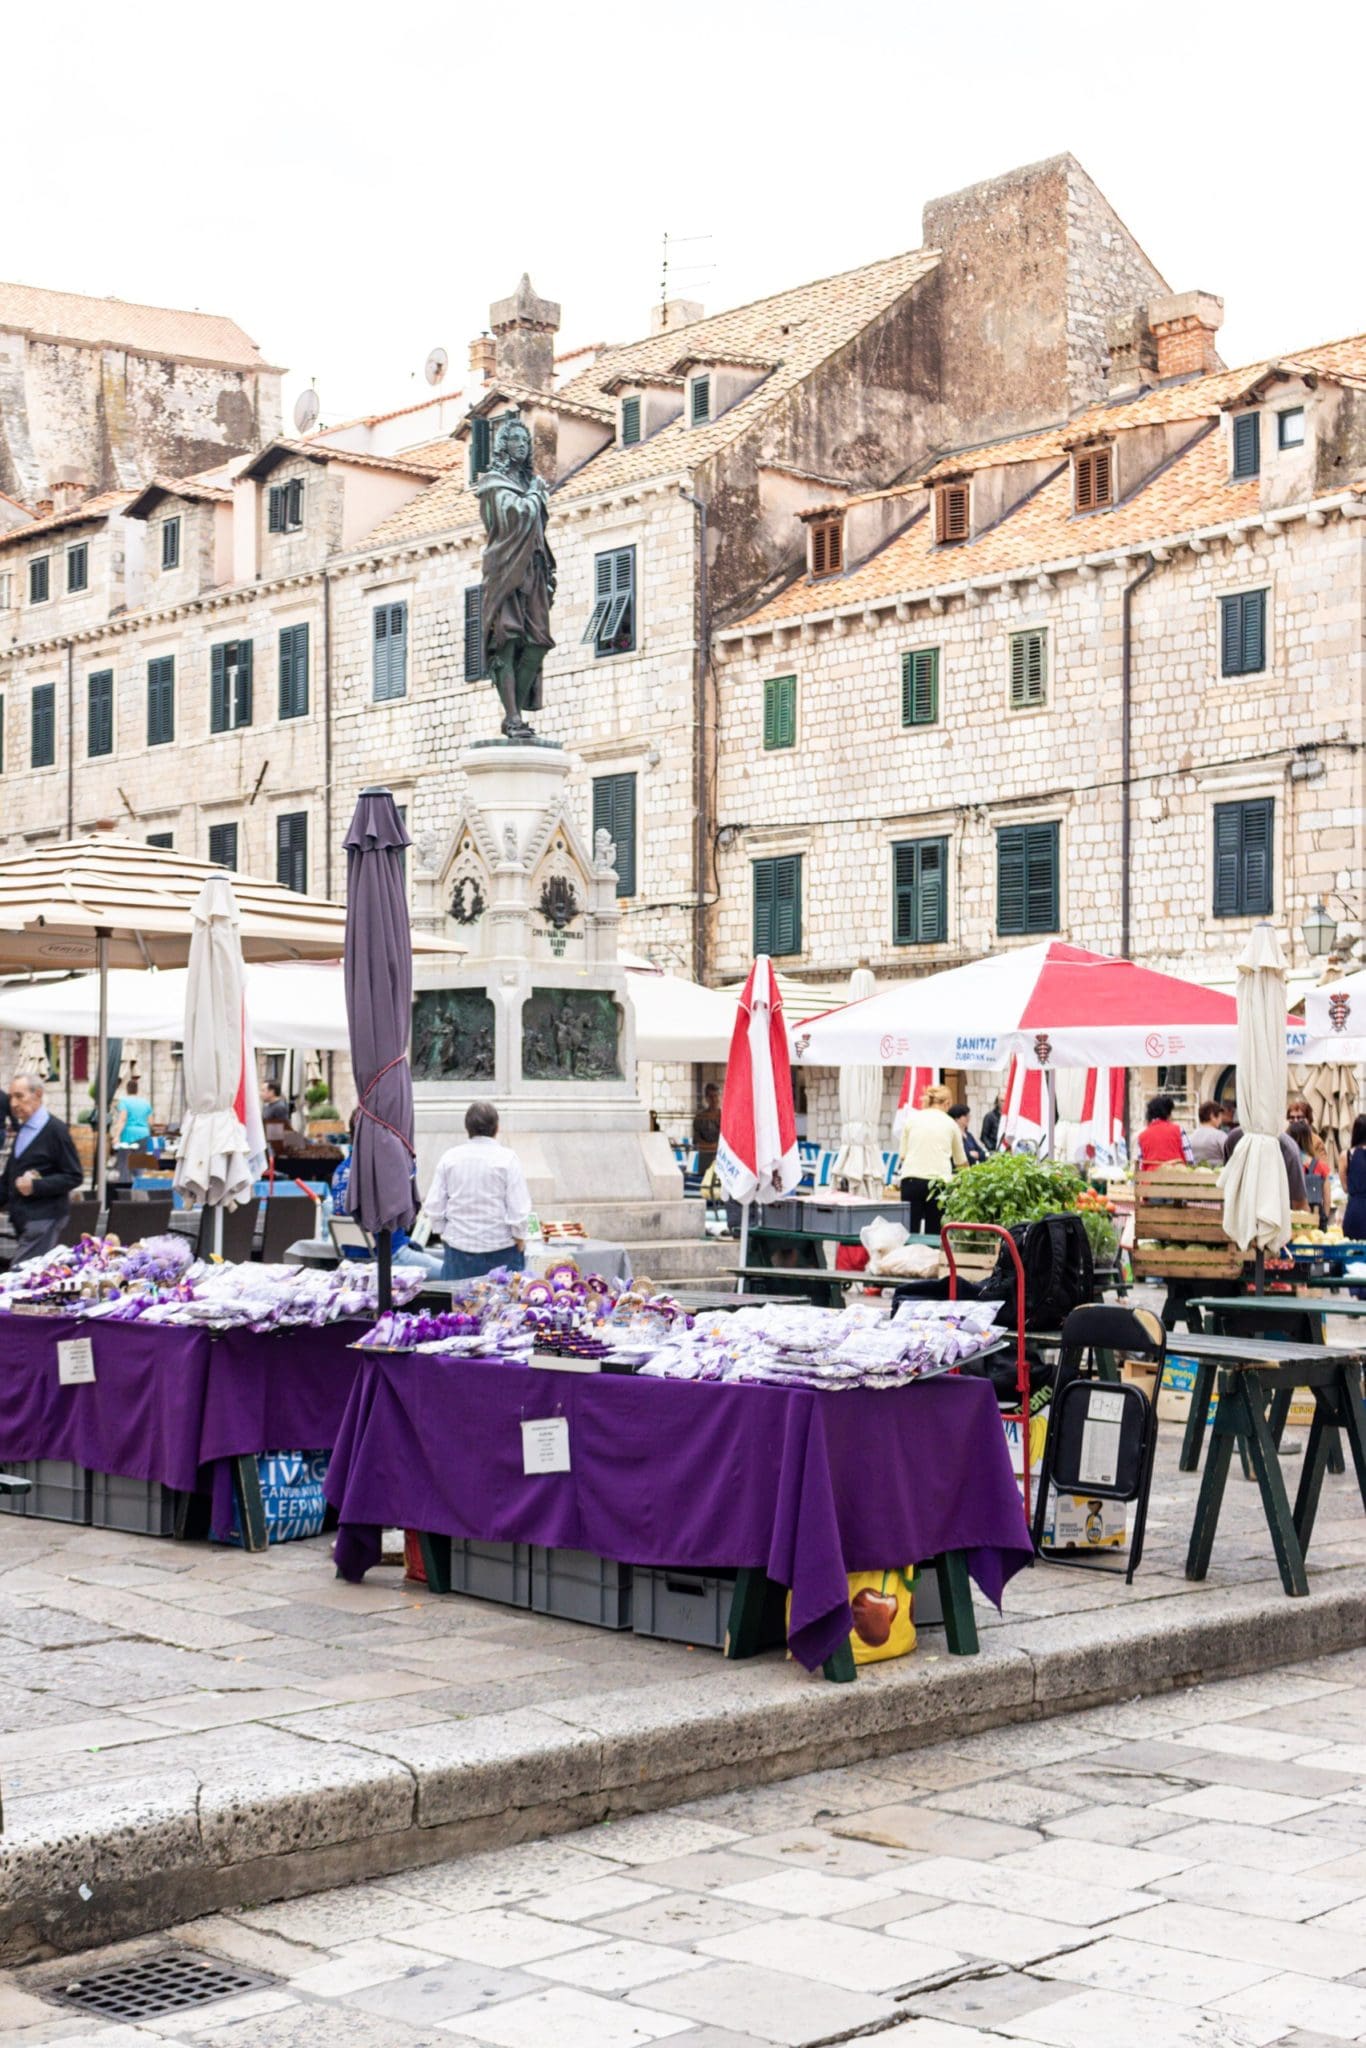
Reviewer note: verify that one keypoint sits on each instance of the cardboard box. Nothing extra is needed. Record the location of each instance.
(1075, 1521)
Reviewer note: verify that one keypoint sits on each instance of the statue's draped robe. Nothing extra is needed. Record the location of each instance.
(517, 563)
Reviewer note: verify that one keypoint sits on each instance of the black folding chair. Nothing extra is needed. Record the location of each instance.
(81, 1217)
(1102, 1429)
(132, 1220)
(239, 1233)
(288, 1218)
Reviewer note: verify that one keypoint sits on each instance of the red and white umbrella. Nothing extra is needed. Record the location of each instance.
(914, 1082)
(757, 1155)
(1091, 1112)
(1050, 1005)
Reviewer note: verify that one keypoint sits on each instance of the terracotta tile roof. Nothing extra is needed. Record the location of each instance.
(443, 453)
(1191, 491)
(802, 326)
(188, 487)
(501, 391)
(724, 358)
(115, 323)
(278, 451)
(88, 513)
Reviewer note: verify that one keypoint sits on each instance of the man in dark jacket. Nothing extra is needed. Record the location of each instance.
(41, 1172)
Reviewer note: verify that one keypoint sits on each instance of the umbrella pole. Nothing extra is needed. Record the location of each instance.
(218, 1230)
(1050, 1082)
(744, 1247)
(102, 1070)
(386, 1271)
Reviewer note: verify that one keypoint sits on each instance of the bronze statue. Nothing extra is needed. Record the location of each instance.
(519, 575)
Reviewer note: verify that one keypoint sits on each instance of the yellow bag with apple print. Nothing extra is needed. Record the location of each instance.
(883, 1605)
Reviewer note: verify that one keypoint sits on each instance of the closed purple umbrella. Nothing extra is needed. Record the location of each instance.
(379, 1001)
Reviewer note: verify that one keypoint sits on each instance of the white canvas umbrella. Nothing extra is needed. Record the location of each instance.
(216, 1163)
(1256, 1194)
(678, 1019)
(859, 1159)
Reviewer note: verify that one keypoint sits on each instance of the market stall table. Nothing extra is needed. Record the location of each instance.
(185, 1408)
(801, 1486)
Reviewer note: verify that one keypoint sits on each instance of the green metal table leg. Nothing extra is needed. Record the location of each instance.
(1211, 1498)
(1280, 1410)
(841, 1668)
(246, 1486)
(758, 1617)
(436, 1561)
(1286, 1543)
(1354, 1420)
(1193, 1440)
(1322, 1430)
(955, 1597)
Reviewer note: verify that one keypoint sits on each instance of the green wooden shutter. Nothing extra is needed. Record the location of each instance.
(763, 906)
(38, 580)
(291, 851)
(630, 422)
(78, 566)
(920, 686)
(474, 633)
(220, 699)
(614, 812)
(1254, 632)
(294, 504)
(1041, 878)
(780, 711)
(294, 671)
(223, 845)
(43, 750)
(481, 446)
(1257, 827)
(241, 709)
(932, 900)
(161, 701)
(701, 400)
(99, 735)
(390, 651)
(1247, 444)
(905, 872)
(170, 543)
(1228, 859)
(1230, 636)
(1010, 880)
(1028, 670)
(787, 904)
(612, 625)
(275, 509)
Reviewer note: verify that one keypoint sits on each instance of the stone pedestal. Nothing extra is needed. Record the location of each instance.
(535, 1019)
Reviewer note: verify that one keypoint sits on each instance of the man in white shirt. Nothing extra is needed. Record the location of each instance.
(478, 1201)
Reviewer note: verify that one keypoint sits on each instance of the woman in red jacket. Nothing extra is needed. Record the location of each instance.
(1161, 1142)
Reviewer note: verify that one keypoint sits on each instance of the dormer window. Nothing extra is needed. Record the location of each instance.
(170, 543)
(699, 401)
(630, 422)
(952, 507)
(1093, 479)
(827, 546)
(1290, 428)
(285, 507)
(1247, 445)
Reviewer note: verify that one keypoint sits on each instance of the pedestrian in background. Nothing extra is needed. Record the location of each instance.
(931, 1149)
(991, 1125)
(1162, 1142)
(1353, 1170)
(975, 1151)
(478, 1201)
(41, 1174)
(1207, 1139)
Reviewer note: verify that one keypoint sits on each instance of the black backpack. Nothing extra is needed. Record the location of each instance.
(1058, 1271)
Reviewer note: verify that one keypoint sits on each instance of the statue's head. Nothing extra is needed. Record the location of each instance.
(512, 446)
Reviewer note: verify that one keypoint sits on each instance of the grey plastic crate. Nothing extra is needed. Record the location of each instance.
(142, 1507)
(683, 1607)
(577, 1586)
(492, 1571)
(847, 1219)
(929, 1611)
(59, 1491)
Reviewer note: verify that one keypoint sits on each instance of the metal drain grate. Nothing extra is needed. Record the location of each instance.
(154, 1986)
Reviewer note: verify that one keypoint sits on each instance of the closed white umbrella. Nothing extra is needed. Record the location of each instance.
(216, 1164)
(1256, 1194)
(859, 1159)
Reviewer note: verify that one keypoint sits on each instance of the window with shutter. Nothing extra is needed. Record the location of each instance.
(1027, 879)
(952, 512)
(778, 905)
(1242, 633)
(630, 422)
(165, 840)
(275, 509)
(220, 700)
(223, 845)
(780, 711)
(294, 671)
(920, 892)
(827, 546)
(611, 627)
(294, 505)
(920, 686)
(78, 566)
(614, 812)
(170, 543)
(38, 580)
(43, 734)
(161, 701)
(291, 851)
(1247, 444)
(239, 677)
(1244, 846)
(1028, 669)
(1092, 473)
(390, 652)
(99, 713)
(475, 660)
(481, 446)
(701, 400)
(1290, 428)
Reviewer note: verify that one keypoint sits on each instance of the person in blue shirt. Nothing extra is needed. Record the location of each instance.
(404, 1252)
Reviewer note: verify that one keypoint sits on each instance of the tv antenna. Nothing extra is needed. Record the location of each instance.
(672, 242)
(436, 366)
(307, 406)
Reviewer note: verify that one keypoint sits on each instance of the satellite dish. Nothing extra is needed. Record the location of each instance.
(436, 366)
(306, 410)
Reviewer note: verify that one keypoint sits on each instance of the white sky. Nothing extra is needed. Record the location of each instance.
(354, 183)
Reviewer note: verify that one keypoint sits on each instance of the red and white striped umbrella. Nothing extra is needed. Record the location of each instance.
(757, 1156)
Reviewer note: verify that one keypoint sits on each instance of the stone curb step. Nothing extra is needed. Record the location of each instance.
(141, 1854)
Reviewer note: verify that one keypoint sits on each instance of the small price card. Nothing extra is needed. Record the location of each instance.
(545, 1445)
(1099, 1462)
(75, 1362)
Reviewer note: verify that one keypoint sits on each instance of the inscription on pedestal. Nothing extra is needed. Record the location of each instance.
(453, 1035)
(571, 1034)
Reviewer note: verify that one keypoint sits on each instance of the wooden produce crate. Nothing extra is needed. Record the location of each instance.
(1179, 1226)
(972, 1262)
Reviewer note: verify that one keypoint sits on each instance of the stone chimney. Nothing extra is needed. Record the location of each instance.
(483, 357)
(1184, 325)
(68, 491)
(674, 313)
(524, 329)
(1132, 351)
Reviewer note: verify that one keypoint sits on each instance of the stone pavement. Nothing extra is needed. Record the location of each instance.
(1181, 1872)
(185, 1728)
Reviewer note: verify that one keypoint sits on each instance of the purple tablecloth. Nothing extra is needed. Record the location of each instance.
(808, 1487)
(167, 1403)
